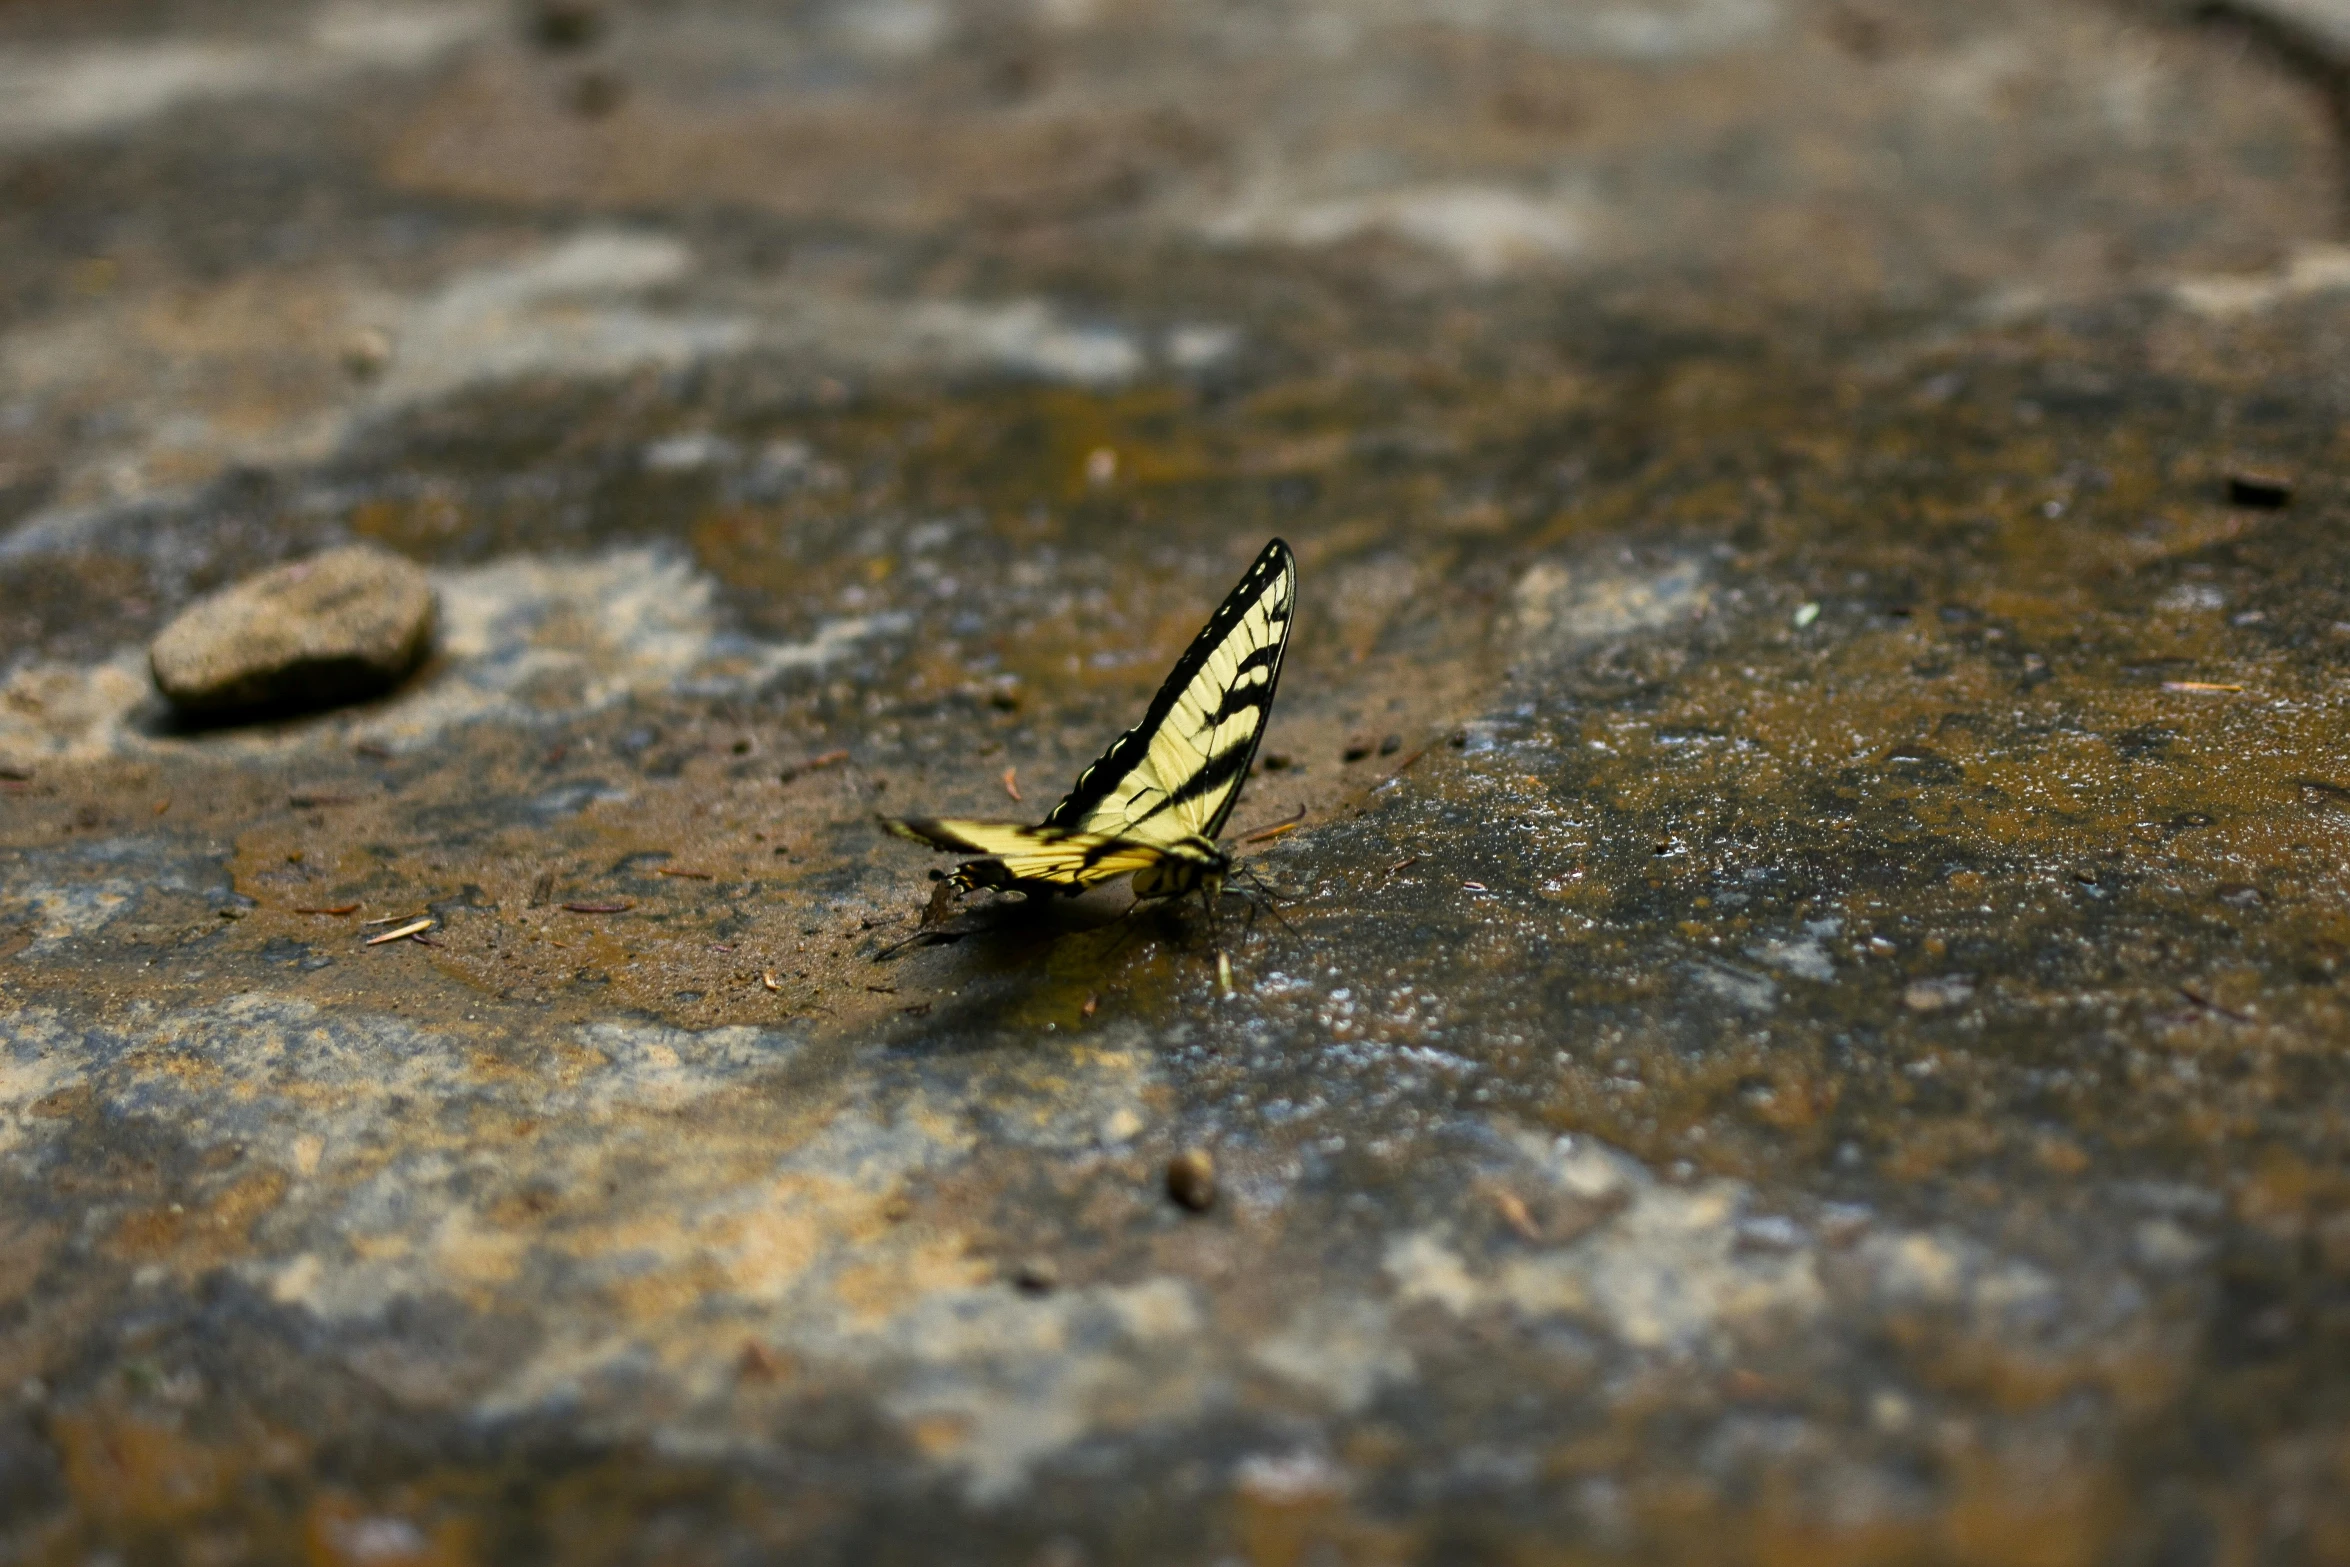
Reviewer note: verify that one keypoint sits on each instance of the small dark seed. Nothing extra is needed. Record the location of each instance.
(1191, 1179)
(2268, 491)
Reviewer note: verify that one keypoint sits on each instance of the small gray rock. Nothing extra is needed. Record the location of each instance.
(336, 628)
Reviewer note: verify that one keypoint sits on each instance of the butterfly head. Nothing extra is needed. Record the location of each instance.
(1189, 863)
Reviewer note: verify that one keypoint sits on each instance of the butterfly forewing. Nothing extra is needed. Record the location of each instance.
(1179, 771)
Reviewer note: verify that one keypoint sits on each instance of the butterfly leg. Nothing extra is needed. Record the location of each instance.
(1271, 900)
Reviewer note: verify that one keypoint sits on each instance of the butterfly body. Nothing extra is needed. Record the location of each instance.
(1152, 805)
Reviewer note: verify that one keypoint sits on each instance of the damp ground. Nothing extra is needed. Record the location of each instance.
(1791, 1002)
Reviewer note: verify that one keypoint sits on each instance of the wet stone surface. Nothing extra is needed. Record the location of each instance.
(1799, 1017)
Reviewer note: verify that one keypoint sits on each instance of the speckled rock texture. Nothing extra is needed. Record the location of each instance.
(1792, 1000)
(338, 627)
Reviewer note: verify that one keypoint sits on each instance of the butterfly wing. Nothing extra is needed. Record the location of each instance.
(1014, 856)
(1178, 773)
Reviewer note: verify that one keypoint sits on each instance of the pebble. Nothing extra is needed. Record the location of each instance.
(336, 628)
(1191, 1179)
(1936, 995)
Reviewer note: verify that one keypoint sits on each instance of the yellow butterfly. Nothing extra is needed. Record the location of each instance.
(1154, 803)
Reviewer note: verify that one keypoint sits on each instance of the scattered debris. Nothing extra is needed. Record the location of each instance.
(1012, 783)
(1404, 864)
(1036, 1276)
(1224, 972)
(2207, 1004)
(1512, 1209)
(413, 928)
(685, 875)
(1287, 824)
(17, 774)
(616, 906)
(1405, 765)
(2260, 488)
(1092, 1004)
(2198, 685)
(542, 890)
(758, 1363)
(313, 799)
(1805, 615)
(389, 919)
(1474, 886)
(1936, 995)
(814, 764)
(366, 353)
(768, 979)
(1191, 1179)
(338, 909)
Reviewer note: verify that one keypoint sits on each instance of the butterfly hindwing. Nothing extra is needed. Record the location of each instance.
(1177, 773)
(1016, 855)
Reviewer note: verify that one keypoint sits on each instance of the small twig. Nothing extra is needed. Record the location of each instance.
(663, 870)
(812, 765)
(619, 906)
(2204, 1001)
(1287, 824)
(416, 927)
(1405, 765)
(388, 919)
(1512, 1209)
(2197, 685)
(340, 908)
(1403, 864)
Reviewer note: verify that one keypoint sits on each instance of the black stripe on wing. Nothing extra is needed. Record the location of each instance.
(1219, 770)
(1098, 782)
(1238, 697)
